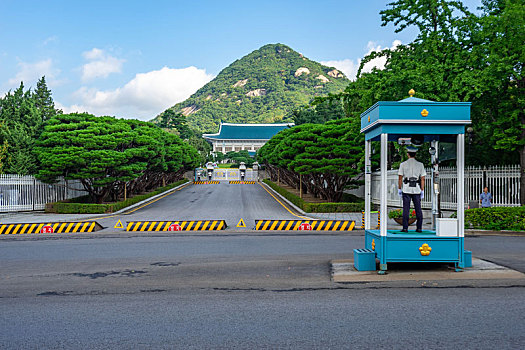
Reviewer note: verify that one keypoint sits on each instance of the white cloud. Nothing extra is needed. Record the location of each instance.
(100, 64)
(347, 66)
(378, 62)
(50, 40)
(29, 73)
(144, 97)
(350, 66)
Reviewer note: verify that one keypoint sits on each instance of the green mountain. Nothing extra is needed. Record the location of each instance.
(261, 87)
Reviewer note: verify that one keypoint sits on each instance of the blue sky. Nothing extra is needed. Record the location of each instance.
(134, 59)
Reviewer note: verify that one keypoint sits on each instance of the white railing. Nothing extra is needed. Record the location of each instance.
(25, 193)
(503, 182)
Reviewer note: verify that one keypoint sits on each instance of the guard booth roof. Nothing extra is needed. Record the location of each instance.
(415, 116)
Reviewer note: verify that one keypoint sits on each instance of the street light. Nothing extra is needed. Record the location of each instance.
(470, 130)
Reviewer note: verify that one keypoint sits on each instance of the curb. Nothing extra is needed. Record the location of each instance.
(297, 209)
(475, 232)
(149, 199)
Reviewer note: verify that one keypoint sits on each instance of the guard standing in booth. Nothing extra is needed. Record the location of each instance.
(242, 171)
(411, 186)
(209, 167)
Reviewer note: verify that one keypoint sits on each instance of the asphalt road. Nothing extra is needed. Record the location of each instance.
(241, 290)
(211, 202)
(237, 291)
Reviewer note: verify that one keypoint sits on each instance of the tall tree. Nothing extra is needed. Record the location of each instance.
(22, 124)
(501, 99)
(43, 100)
(177, 121)
(320, 110)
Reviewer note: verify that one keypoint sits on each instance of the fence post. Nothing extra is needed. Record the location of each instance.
(34, 191)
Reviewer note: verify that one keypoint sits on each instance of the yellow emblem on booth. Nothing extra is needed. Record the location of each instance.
(373, 244)
(425, 249)
(369, 119)
(424, 113)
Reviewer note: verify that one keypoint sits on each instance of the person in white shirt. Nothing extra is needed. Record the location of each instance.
(411, 186)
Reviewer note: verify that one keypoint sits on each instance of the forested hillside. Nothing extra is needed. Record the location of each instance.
(262, 87)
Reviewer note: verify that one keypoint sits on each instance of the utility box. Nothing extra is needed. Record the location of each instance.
(467, 258)
(364, 260)
(447, 227)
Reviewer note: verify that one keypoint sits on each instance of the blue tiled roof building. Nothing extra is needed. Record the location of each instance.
(238, 137)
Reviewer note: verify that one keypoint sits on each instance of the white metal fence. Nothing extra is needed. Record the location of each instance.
(503, 183)
(25, 193)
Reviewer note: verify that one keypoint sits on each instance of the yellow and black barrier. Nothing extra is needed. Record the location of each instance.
(196, 225)
(50, 227)
(213, 182)
(304, 225)
(372, 212)
(242, 182)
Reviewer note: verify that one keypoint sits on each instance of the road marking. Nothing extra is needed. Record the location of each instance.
(284, 206)
(241, 223)
(118, 225)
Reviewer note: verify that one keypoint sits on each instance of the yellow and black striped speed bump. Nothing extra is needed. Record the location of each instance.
(50, 227)
(214, 182)
(242, 182)
(304, 225)
(196, 225)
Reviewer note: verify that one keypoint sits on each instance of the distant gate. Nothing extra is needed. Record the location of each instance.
(231, 174)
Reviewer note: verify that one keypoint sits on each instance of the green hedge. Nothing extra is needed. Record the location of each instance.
(496, 218)
(316, 207)
(78, 205)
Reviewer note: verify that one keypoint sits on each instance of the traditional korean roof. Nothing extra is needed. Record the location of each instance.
(228, 131)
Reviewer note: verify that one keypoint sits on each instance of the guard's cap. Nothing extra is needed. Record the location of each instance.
(411, 149)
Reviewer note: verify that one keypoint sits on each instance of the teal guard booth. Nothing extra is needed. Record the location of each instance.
(413, 121)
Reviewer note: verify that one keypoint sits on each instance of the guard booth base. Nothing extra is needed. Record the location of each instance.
(426, 246)
(415, 121)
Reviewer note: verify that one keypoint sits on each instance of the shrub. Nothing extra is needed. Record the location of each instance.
(316, 207)
(398, 213)
(496, 218)
(79, 206)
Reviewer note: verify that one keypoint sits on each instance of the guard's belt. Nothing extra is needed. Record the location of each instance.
(411, 181)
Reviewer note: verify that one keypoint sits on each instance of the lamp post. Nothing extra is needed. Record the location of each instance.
(470, 130)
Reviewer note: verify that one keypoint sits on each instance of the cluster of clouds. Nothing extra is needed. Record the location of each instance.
(100, 65)
(147, 94)
(29, 72)
(143, 97)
